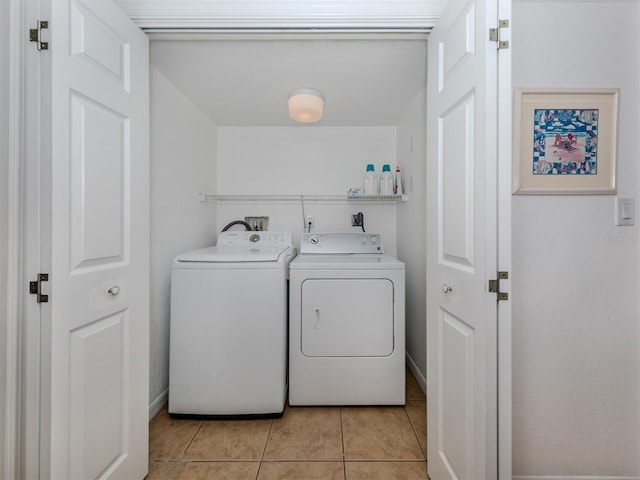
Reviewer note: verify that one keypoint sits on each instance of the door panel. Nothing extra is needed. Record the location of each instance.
(100, 45)
(457, 167)
(99, 315)
(99, 178)
(347, 317)
(461, 251)
(99, 367)
(456, 420)
(458, 43)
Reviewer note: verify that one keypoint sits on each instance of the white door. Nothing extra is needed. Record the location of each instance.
(95, 351)
(462, 138)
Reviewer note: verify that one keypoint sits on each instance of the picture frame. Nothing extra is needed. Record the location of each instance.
(565, 141)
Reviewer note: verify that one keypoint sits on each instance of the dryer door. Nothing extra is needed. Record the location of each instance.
(347, 317)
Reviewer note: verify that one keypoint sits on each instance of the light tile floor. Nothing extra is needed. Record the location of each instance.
(307, 443)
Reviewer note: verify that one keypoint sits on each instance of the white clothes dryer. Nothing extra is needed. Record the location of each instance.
(347, 322)
(228, 339)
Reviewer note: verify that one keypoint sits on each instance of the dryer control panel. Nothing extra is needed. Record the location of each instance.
(341, 243)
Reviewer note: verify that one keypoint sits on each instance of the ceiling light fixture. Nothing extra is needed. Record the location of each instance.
(306, 105)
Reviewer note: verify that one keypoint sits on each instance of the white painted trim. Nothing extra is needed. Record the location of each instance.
(570, 477)
(33, 440)
(157, 405)
(556, 2)
(196, 34)
(305, 14)
(13, 310)
(416, 372)
(505, 98)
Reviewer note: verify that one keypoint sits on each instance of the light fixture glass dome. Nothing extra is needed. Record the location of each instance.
(306, 105)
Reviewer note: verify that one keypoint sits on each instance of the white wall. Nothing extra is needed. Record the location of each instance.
(309, 160)
(183, 164)
(576, 362)
(411, 226)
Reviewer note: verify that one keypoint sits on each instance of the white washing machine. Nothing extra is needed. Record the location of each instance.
(228, 339)
(347, 322)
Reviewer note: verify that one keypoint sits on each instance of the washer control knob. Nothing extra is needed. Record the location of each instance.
(314, 240)
(446, 288)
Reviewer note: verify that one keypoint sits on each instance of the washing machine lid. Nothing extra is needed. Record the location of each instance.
(225, 254)
(346, 262)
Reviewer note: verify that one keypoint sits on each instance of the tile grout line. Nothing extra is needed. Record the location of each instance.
(264, 449)
(172, 463)
(413, 429)
(173, 470)
(408, 400)
(191, 441)
(344, 455)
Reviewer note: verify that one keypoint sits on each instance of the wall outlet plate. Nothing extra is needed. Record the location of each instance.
(625, 211)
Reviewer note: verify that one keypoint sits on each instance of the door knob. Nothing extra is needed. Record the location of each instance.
(446, 288)
(114, 290)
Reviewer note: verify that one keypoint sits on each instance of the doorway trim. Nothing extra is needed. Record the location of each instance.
(504, 325)
(12, 251)
(14, 256)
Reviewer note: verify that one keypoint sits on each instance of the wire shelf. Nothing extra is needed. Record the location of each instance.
(304, 198)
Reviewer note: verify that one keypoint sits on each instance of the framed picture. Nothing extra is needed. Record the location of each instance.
(565, 141)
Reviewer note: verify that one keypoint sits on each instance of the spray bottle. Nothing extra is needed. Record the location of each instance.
(398, 190)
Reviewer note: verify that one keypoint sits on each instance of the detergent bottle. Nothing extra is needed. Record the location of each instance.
(386, 181)
(371, 186)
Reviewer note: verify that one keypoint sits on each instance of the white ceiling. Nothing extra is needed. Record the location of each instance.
(245, 81)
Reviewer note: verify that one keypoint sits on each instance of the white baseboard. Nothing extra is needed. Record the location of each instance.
(416, 373)
(571, 477)
(158, 403)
